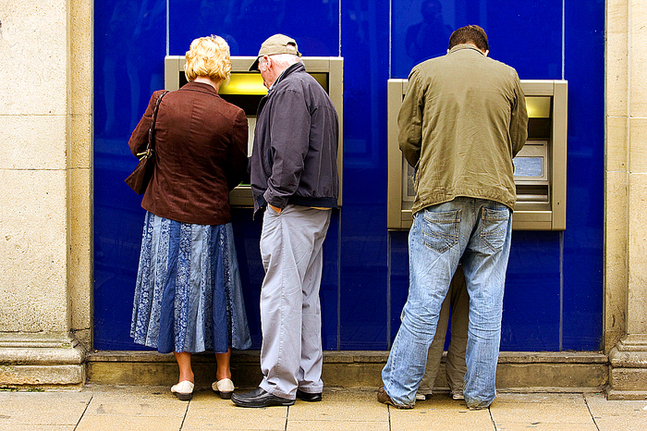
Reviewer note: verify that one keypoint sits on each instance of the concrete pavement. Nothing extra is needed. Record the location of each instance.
(98, 408)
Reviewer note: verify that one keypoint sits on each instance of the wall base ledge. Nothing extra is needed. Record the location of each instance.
(630, 352)
(628, 369)
(43, 360)
(626, 395)
(517, 371)
(346, 356)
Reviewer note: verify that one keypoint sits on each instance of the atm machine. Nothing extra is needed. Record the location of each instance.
(540, 167)
(245, 89)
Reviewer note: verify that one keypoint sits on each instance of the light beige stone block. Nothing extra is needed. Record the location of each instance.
(80, 142)
(617, 60)
(624, 415)
(50, 375)
(616, 229)
(208, 412)
(617, 80)
(33, 251)
(637, 292)
(638, 59)
(518, 411)
(437, 413)
(33, 142)
(355, 406)
(638, 145)
(617, 12)
(34, 58)
(617, 144)
(80, 157)
(134, 423)
(40, 410)
(630, 379)
(81, 48)
(136, 401)
(80, 253)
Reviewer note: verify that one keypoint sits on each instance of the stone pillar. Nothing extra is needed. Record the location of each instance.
(626, 199)
(45, 161)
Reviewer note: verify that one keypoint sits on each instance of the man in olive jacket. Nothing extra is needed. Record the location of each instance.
(462, 121)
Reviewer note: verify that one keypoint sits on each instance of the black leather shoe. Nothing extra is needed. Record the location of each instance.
(259, 398)
(310, 397)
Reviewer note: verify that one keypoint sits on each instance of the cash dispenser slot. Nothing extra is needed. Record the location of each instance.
(540, 167)
(245, 89)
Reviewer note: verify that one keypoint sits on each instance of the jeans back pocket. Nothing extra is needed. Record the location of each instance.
(440, 230)
(494, 226)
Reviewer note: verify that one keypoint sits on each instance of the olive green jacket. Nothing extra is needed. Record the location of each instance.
(462, 121)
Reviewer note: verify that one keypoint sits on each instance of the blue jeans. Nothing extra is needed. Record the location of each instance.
(479, 231)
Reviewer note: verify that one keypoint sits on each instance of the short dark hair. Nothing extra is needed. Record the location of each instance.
(469, 34)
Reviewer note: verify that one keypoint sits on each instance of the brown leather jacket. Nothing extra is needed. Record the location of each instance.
(200, 154)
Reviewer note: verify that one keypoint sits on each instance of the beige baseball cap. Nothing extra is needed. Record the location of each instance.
(277, 44)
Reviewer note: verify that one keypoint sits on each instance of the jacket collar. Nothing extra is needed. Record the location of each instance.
(465, 46)
(199, 86)
(287, 72)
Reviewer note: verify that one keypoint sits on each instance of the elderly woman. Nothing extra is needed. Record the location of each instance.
(188, 296)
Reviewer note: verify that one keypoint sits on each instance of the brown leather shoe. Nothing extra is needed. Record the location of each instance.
(384, 398)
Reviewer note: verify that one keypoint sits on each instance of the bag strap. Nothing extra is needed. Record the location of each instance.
(151, 130)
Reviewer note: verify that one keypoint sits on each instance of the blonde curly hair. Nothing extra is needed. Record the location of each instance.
(208, 56)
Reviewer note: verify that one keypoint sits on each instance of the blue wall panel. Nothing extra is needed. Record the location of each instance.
(553, 296)
(129, 54)
(246, 24)
(365, 48)
(584, 68)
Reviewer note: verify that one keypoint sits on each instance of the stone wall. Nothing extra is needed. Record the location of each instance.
(626, 199)
(45, 207)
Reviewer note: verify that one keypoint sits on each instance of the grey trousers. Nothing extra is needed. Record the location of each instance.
(291, 250)
(457, 301)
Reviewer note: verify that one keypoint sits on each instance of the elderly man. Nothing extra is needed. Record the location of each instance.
(462, 121)
(294, 178)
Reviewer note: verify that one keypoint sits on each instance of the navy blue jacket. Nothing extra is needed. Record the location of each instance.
(294, 156)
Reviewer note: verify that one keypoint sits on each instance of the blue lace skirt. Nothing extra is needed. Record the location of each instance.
(188, 296)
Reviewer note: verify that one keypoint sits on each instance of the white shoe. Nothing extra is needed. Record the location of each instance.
(183, 390)
(224, 387)
(421, 397)
(458, 396)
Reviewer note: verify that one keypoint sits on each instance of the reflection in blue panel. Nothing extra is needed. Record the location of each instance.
(363, 304)
(531, 317)
(125, 74)
(399, 277)
(583, 238)
(245, 24)
(527, 36)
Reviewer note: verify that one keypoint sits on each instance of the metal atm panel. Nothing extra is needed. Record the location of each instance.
(540, 167)
(245, 89)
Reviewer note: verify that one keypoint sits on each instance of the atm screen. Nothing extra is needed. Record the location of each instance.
(529, 167)
(531, 164)
(246, 89)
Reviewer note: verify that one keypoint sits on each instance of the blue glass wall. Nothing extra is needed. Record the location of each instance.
(554, 291)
